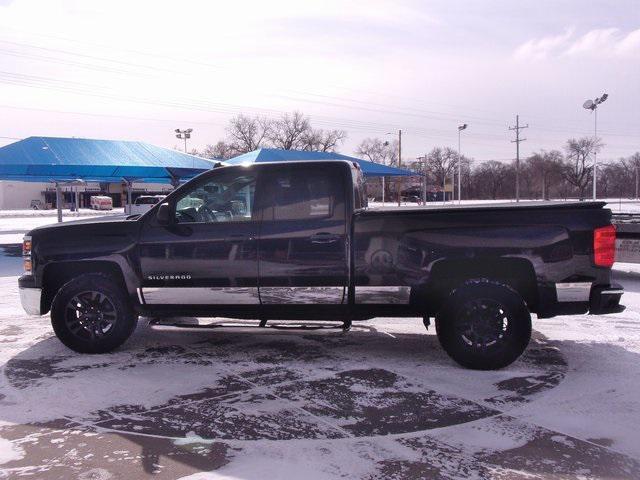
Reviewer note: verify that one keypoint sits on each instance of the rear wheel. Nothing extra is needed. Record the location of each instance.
(484, 325)
(92, 314)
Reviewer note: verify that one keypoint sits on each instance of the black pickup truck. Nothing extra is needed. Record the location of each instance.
(297, 241)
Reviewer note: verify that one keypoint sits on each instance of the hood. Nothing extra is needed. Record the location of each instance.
(111, 220)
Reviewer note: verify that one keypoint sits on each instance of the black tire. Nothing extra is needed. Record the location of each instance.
(484, 325)
(92, 314)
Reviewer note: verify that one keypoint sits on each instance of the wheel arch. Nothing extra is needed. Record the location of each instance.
(447, 275)
(56, 274)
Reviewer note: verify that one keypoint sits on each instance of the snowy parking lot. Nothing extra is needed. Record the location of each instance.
(381, 401)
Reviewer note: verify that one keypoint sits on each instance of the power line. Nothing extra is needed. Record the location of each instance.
(407, 111)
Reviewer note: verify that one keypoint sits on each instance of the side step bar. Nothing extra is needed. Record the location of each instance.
(165, 325)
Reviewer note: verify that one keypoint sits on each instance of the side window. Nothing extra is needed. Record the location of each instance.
(223, 198)
(303, 194)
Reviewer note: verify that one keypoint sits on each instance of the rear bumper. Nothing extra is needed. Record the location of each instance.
(579, 298)
(606, 299)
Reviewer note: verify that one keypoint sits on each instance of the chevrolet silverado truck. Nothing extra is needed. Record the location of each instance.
(296, 240)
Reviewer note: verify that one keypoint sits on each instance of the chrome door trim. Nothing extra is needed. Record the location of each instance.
(200, 295)
(302, 295)
(394, 295)
(573, 292)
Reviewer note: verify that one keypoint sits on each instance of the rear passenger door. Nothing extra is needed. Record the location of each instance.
(302, 240)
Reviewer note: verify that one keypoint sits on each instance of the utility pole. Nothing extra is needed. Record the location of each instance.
(517, 141)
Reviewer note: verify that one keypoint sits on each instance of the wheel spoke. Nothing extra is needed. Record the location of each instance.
(482, 323)
(90, 315)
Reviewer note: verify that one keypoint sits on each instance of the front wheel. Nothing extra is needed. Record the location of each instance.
(484, 325)
(92, 314)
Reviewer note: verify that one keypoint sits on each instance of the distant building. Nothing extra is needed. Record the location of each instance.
(29, 167)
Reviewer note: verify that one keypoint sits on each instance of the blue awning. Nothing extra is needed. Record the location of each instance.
(46, 159)
(370, 169)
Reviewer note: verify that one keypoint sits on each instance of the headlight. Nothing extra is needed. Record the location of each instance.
(26, 254)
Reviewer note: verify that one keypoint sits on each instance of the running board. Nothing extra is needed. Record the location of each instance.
(162, 325)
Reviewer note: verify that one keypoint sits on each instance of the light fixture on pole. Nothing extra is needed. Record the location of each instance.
(460, 129)
(183, 135)
(593, 106)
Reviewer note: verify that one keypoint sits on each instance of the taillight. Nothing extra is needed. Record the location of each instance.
(604, 246)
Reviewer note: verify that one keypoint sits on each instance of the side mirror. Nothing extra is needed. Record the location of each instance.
(163, 215)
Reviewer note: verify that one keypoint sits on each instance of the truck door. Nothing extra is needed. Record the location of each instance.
(207, 254)
(302, 239)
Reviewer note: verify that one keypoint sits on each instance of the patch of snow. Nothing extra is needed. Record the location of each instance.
(9, 452)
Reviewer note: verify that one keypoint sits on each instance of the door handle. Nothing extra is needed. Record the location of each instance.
(324, 238)
(236, 238)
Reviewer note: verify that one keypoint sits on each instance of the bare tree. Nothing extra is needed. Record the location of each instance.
(631, 166)
(490, 179)
(378, 151)
(322, 140)
(247, 134)
(221, 150)
(544, 169)
(577, 170)
(289, 131)
(440, 164)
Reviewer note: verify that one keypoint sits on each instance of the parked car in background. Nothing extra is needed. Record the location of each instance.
(144, 203)
(39, 205)
(101, 202)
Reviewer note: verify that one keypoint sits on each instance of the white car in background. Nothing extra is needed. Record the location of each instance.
(101, 202)
(144, 203)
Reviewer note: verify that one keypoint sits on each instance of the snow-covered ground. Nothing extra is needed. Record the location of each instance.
(382, 401)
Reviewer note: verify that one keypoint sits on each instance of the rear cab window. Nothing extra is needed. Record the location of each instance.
(302, 194)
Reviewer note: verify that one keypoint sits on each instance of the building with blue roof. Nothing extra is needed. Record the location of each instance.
(370, 169)
(106, 166)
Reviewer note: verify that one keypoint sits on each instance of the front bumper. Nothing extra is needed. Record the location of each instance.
(31, 300)
(30, 295)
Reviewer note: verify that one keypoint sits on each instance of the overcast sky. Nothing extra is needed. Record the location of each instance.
(138, 69)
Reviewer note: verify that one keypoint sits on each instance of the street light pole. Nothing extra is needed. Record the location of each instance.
(593, 106)
(399, 165)
(184, 134)
(399, 182)
(595, 150)
(460, 128)
(424, 178)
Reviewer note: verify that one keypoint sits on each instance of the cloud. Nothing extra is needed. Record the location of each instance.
(629, 45)
(598, 42)
(594, 41)
(541, 48)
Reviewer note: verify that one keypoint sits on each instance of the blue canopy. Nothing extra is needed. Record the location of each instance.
(370, 169)
(46, 159)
